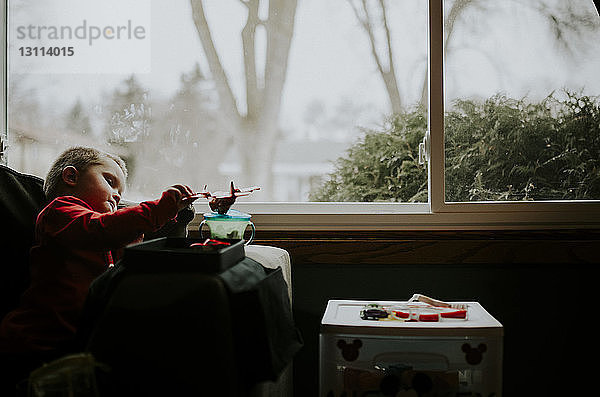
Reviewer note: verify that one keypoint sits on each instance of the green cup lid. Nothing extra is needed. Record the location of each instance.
(231, 215)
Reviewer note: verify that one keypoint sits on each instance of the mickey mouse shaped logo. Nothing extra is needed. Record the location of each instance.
(349, 351)
(474, 356)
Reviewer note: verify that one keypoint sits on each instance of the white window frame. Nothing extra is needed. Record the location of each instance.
(436, 214)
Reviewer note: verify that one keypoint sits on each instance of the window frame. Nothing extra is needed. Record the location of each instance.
(436, 214)
(553, 209)
(3, 74)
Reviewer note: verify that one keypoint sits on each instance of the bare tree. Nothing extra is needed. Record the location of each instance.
(564, 20)
(254, 130)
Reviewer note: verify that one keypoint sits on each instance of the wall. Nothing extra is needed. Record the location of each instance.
(539, 284)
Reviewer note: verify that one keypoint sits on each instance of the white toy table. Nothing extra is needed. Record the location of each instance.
(450, 357)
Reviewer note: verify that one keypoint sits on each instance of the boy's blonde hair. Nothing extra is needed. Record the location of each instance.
(79, 157)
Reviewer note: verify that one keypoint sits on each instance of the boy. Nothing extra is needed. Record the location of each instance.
(78, 236)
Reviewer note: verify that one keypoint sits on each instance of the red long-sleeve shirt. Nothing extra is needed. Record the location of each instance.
(74, 245)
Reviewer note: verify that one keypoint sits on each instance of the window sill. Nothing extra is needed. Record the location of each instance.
(538, 248)
(394, 217)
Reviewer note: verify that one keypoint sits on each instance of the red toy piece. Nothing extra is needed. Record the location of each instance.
(209, 241)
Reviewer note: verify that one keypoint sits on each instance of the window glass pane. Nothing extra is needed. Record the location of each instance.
(282, 94)
(522, 115)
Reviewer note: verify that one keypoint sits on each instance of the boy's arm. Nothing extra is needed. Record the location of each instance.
(175, 227)
(71, 221)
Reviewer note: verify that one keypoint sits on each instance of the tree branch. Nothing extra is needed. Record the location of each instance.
(253, 93)
(387, 71)
(227, 100)
(280, 30)
(390, 77)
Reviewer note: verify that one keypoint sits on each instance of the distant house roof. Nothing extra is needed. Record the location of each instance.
(60, 139)
(306, 152)
(296, 157)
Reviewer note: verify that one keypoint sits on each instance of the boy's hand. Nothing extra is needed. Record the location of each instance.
(182, 194)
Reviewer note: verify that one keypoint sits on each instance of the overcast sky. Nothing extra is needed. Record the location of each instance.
(329, 58)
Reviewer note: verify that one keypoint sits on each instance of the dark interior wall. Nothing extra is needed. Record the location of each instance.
(540, 286)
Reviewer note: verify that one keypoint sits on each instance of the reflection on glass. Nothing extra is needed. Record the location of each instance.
(522, 106)
(287, 95)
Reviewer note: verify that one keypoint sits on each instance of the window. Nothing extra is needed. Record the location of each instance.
(317, 102)
(522, 104)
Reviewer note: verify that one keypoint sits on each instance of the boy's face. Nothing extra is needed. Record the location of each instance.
(100, 185)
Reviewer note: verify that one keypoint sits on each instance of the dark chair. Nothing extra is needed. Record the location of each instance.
(21, 199)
